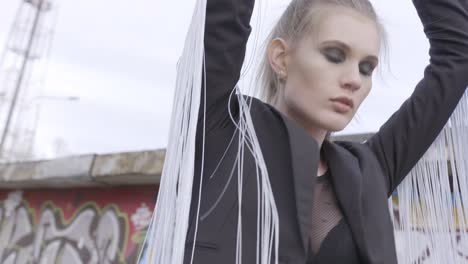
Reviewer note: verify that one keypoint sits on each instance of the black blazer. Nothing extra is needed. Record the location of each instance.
(364, 174)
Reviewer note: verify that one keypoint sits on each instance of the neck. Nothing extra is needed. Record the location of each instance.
(318, 133)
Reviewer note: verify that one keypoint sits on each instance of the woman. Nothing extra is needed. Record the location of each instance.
(319, 65)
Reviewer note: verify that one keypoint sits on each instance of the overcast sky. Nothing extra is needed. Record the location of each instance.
(119, 57)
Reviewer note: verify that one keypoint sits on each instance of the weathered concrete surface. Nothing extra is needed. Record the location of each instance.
(69, 171)
(131, 168)
(134, 167)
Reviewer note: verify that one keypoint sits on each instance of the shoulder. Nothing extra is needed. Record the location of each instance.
(369, 166)
(359, 150)
(260, 109)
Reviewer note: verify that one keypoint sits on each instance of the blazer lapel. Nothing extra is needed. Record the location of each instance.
(347, 182)
(305, 157)
(344, 168)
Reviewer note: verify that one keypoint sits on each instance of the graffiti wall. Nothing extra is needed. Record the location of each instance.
(81, 225)
(108, 225)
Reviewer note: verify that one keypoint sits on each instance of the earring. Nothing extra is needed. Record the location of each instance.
(282, 74)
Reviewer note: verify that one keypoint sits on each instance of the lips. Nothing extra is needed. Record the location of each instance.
(344, 101)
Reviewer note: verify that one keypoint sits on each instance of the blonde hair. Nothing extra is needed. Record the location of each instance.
(300, 18)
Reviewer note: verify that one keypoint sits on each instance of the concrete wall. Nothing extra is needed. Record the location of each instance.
(85, 209)
(96, 209)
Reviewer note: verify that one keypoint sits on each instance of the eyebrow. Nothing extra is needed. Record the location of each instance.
(344, 46)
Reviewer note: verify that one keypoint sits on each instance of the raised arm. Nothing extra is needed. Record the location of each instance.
(226, 32)
(409, 132)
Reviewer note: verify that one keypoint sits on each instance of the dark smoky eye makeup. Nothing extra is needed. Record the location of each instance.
(334, 54)
(366, 68)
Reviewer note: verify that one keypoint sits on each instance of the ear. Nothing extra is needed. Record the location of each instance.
(278, 57)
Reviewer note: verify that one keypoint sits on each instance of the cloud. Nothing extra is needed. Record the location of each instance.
(119, 57)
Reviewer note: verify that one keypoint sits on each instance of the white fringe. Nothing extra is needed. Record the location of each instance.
(166, 236)
(431, 226)
(267, 214)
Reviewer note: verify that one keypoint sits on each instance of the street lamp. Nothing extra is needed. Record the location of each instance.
(52, 97)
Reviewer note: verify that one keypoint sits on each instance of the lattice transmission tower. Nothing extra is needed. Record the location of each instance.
(23, 65)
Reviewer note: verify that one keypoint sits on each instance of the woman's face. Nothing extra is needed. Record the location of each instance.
(329, 72)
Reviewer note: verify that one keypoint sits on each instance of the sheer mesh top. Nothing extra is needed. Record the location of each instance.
(326, 211)
(331, 240)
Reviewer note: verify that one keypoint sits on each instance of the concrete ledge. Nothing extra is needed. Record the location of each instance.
(133, 168)
(141, 167)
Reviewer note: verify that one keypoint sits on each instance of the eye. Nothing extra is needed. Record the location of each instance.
(366, 68)
(334, 55)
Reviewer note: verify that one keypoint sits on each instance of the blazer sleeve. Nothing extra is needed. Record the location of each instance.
(227, 29)
(405, 137)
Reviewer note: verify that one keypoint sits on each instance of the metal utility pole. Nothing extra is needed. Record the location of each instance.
(29, 39)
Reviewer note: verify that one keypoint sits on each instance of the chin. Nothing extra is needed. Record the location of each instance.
(336, 122)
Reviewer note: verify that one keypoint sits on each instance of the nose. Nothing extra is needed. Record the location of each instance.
(351, 79)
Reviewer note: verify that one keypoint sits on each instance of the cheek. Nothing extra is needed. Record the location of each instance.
(308, 88)
(299, 100)
(306, 69)
(364, 92)
(294, 94)
(309, 80)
